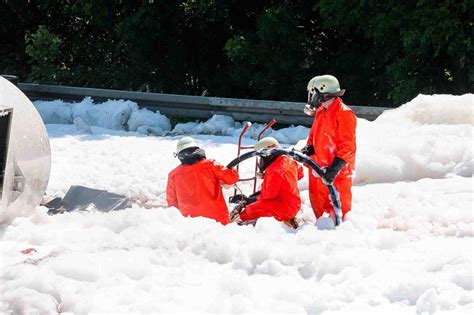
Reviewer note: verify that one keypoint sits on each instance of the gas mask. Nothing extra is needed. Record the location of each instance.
(314, 101)
(265, 162)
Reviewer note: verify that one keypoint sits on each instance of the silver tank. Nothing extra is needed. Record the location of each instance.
(26, 158)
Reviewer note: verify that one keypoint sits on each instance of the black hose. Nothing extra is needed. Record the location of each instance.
(301, 158)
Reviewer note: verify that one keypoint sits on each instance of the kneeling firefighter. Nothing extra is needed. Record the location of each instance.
(279, 196)
(194, 187)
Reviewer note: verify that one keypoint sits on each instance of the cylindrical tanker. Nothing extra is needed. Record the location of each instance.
(25, 154)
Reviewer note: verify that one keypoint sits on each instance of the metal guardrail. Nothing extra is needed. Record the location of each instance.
(192, 106)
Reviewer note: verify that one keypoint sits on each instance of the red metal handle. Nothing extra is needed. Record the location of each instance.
(239, 146)
(269, 125)
(246, 127)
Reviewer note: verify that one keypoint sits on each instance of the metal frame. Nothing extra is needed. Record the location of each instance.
(240, 147)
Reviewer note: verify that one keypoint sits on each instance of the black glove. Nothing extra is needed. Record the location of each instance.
(333, 170)
(308, 150)
(237, 198)
(252, 198)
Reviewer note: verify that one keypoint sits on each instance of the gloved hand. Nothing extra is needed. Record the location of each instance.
(252, 198)
(308, 150)
(237, 198)
(333, 170)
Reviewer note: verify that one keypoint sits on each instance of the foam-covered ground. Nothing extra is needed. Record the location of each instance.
(406, 248)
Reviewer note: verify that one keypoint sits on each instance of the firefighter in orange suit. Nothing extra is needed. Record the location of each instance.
(194, 187)
(331, 144)
(279, 196)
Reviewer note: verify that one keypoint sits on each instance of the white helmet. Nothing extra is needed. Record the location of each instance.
(320, 89)
(184, 143)
(268, 142)
(325, 84)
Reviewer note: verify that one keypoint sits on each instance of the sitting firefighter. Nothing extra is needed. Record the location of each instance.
(195, 186)
(279, 196)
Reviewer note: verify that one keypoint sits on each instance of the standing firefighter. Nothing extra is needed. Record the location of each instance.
(279, 196)
(331, 144)
(194, 187)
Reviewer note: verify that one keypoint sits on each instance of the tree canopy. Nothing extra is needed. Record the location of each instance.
(383, 52)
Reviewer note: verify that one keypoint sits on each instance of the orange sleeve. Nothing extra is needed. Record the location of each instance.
(346, 135)
(171, 197)
(227, 175)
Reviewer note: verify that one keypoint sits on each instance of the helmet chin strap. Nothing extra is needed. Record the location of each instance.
(327, 102)
(326, 97)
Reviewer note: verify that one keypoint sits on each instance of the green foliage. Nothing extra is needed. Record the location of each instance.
(269, 62)
(413, 46)
(43, 48)
(383, 52)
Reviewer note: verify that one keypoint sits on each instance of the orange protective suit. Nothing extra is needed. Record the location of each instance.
(196, 189)
(279, 197)
(332, 134)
